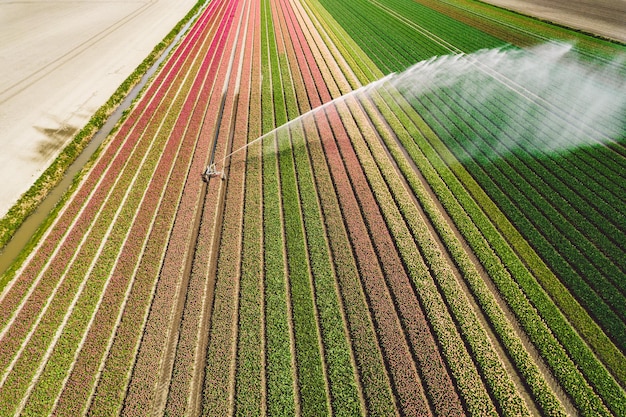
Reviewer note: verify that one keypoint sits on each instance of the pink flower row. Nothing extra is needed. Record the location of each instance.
(124, 346)
(181, 387)
(413, 323)
(155, 342)
(66, 291)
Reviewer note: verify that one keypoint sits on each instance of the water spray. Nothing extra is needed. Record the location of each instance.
(585, 102)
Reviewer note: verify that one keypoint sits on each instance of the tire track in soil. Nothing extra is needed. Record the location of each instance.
(197, 268)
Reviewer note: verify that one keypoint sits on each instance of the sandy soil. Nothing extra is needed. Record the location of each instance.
(59, 62)
(603, 17)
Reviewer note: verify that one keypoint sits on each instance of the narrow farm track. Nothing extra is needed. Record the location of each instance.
(387, 253)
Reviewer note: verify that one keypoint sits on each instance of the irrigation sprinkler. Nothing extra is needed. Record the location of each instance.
(211, 172)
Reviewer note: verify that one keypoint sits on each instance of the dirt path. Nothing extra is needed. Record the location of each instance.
(55, 77)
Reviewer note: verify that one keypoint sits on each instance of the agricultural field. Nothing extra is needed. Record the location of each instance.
(414, 207)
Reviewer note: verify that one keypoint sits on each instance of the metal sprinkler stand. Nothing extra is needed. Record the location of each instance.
(211, 172)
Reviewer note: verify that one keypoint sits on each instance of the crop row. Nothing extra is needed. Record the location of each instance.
(187, 383)
(424, 368)
(149, 273)
(152, 365)
(295, 174)
(403, 127)
(501, 110)
(524, 314)
(425, 293)
(80, 266)
(367, 353)
(130, 323)
(538, 205)
(601, 381)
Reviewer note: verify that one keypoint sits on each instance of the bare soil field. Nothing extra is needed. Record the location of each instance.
(606, 18)
(60, 61)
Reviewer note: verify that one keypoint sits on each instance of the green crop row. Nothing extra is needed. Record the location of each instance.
(368, 358)
(453, 348)
(399, 45)
(310, 372)
(593, 207)
(249, 378)
(375, 385)
(598, 341)
(517, 181)
(573, 186)
(589, 330)
(489, 364)
(567, 250)
(607, 388)
(281, 395)
(582, 319)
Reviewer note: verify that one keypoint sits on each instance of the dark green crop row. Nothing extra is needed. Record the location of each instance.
(310, 372)
(452, 128)
(565, 333)
(429, 33)
(436, 317)
(606, 386)
(537, 330)
(589, 169)
(546, 400)
(480, 138)
(597, 227)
